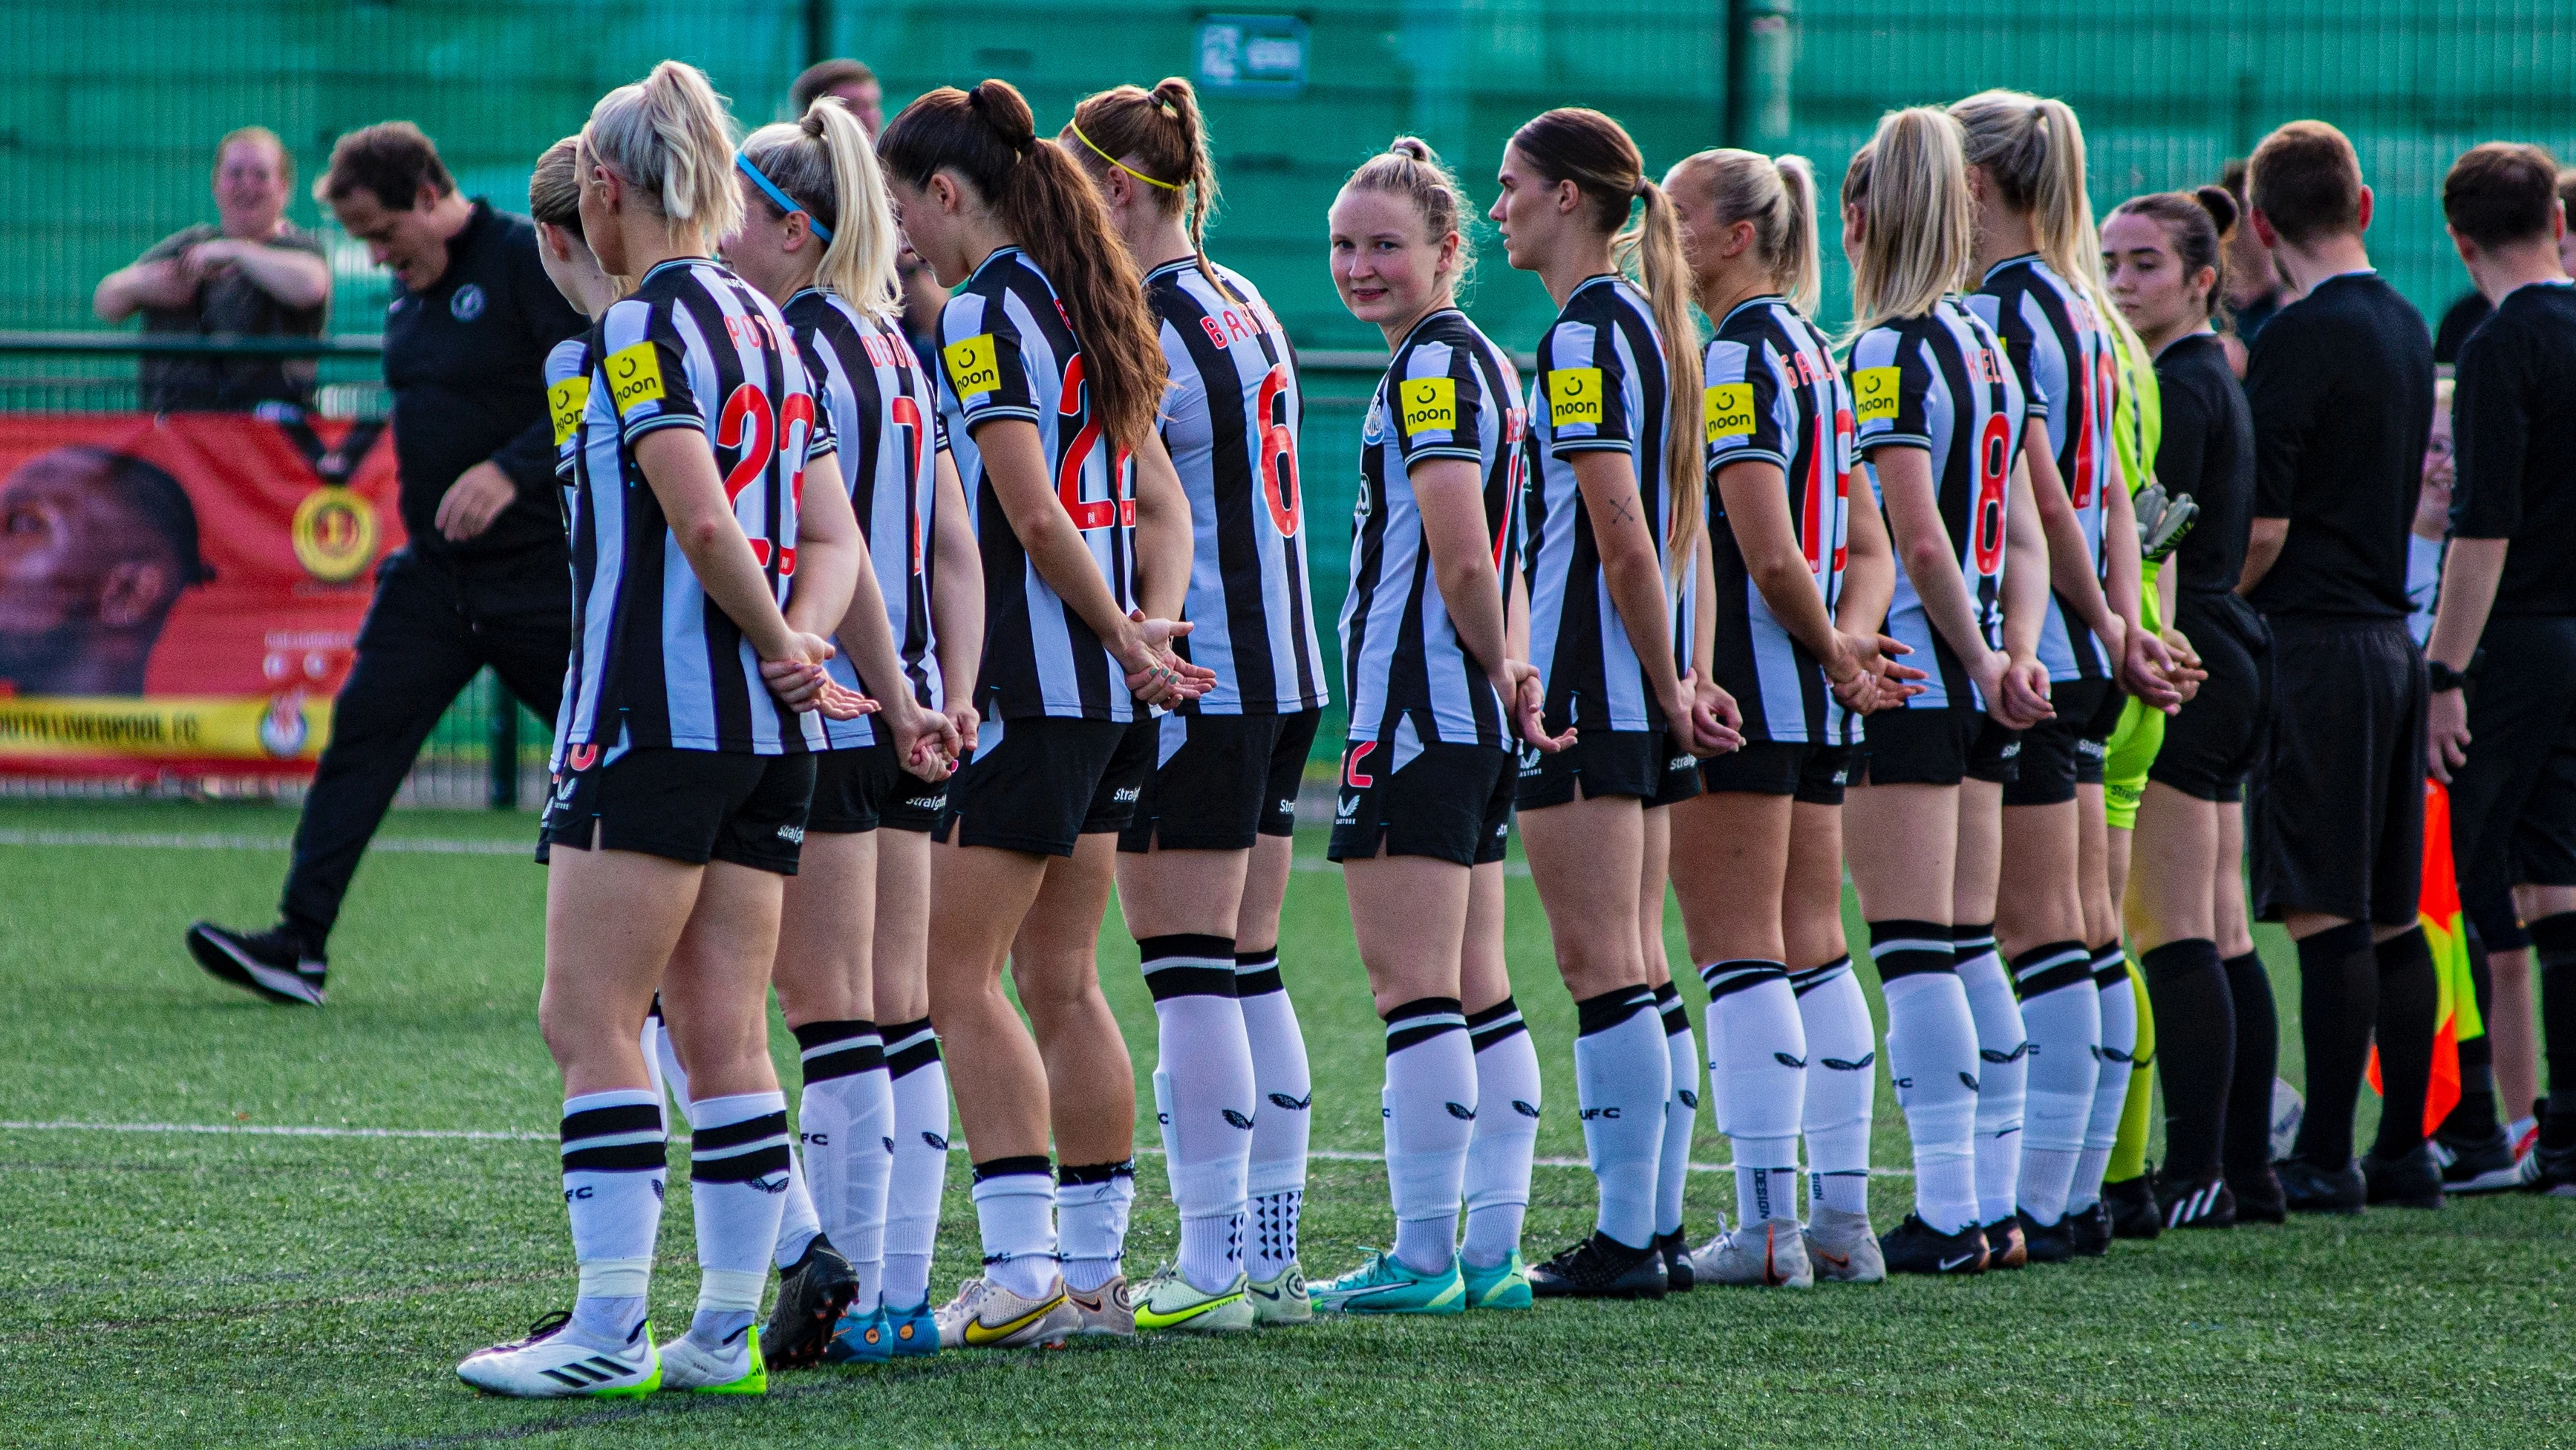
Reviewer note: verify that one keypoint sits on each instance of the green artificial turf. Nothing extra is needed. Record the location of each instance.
(228, 1288)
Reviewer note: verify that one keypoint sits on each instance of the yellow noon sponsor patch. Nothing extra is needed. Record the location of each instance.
(635, 377)
(1430, 404)
(971, 368)
(565, 401)
(1874, 394)
(1728, 410)
(1574, 397)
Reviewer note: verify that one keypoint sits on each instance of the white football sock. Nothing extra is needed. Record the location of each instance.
(662, 1059)
(2119, 1008)
(738, 1169)
(1506, 1134)
(1276, 1182)
(1091, 1207)
(1757, 1069)
(1932, 1058)
(1681, 1110)
(920, 1169)
(1203, 1098)
(1621, 1079)
(2063, 1015)
(2003, 1070)
(614, 1163)
(845, 1121)
(798, 1222)
(1429, 1107)
(1842, 1048)
(1015, 1214)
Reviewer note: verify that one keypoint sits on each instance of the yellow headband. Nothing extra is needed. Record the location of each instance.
(1114, 161)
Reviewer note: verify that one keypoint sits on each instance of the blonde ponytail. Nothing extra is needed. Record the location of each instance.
(827, 166)
(1919, 222)
(1801, 270)
(670, 138)
(1777, 194)
(2032, 150)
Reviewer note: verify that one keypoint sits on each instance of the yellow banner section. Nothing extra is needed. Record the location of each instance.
(196, 727)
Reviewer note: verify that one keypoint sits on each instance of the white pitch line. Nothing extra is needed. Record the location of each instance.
(488, 1135)
(143, 840)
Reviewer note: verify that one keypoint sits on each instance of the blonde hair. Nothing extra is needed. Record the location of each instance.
(554, 187)
(826, 165)
(1409, 168)
(1596, 153)
(669, 137)
(1918, 220)
(1777, 194)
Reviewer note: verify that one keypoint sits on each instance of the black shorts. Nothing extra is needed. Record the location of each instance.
(684, 805)
(1762, 767)
(1450, 802)
(1599, 762)
(2513, 802)
(1822, 778)
(1040, 783)
(2336, 806)
(862, 789)
(2211, 745)
(1680, 779)
(2057, 752)
(1216, 782)
(1942, 745)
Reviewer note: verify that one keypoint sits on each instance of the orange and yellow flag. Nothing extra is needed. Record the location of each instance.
(2455, 1012)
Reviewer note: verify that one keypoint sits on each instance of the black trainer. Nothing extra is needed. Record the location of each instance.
(1676, 1249)
(812, 1292)
(2258, 1197)
(2306, 1188)
(2006, 1248)
(1916, 1247)
(2046, 1243)
(2411, 1180)
(2556, 1171)
(2132, 1202)
(2480, 1165)
(1601, 1267)
(273, 964)
(2090, 1229)
(2205, 1203)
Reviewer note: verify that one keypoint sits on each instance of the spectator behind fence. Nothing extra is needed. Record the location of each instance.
(483, 578)
(252, 275)
(850, 80)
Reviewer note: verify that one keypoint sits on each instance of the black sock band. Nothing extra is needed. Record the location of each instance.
(1422, 1019)
(740, 1152)
(1725, 979)
(1608, 1010)
(1095, 1172)
(910, 1046)
(1972, 939)
(1902, 948)
(1495, 1023)
(2111, 965)
(1256, 974)
(1185, 965)
(2048, 967)
(839, 1049)
(627, 1139)
(1813, 977)
(1004, 1167)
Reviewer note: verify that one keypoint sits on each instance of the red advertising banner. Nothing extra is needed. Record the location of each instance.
(180, 595)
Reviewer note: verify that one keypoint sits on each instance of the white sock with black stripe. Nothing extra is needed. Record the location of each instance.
(1505, 1140)
(1932, 1059)
(1757, 1067)
(1681, 1109)
(1429, 1107)
(1203, 1098)
(2119, 1009)
(1621, 1080)
(2063, 1015)
(1842, 1091)
(614, 1161)
(845, 1128)
(1276, 1183)
(920, 1170)
(2003, 1071)
(738, 1162)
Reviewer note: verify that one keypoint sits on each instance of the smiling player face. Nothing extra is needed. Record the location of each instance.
(1387, 270)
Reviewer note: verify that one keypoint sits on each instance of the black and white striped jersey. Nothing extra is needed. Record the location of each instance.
(1007, 351)
(1774, 395)
(2063, 357)
(1601, 388)
(654, 661)
(884, 421)
(1939, 382)
(1449, 392)
(1230, 422)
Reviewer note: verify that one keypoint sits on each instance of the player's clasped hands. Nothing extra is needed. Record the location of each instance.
(1155, 675)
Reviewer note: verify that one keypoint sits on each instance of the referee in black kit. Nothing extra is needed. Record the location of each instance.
(2503, 650)
(2341, 386)
(483, 579)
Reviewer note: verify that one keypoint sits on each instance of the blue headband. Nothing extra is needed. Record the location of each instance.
(770, 189)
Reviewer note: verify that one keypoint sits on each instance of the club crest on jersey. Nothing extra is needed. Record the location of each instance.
(1430, 404)
(1574, 397)
(1874, 394)
(971, 367)
(565, 401)
(1728, 409)
(635, 376)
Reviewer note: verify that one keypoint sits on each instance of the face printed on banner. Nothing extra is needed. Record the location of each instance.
(95, 548)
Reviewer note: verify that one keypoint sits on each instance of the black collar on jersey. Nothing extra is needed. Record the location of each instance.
(1007, 249)
(658, 268)
(1177, 264)
(2008, 262)
(1419, 322)
(1762, 299)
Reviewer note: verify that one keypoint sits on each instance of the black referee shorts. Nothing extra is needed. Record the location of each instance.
(1936, 745)
(2063, 750)
(864, 788)
(1218, 782)
(2212, 744)
(693, 806)
(2513, 802)
(1449, 802)
(2336, 815)
(1040, 783)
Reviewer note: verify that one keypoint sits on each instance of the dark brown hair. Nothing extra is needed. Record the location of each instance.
(2197, 224)
(390, 160)
(1167, 137)
(2306, 181)
(1048, 207)
(1596, 153)
(2501, 193)
(822, 76)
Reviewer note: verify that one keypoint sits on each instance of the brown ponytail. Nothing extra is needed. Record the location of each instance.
(1160, 138)
(1596, 154)
(1046, 206)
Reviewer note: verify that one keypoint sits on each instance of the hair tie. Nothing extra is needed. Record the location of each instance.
(786, 203)
(1639, 190)
(1076, 129)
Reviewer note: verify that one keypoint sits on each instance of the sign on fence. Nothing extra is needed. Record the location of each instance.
(180, 595)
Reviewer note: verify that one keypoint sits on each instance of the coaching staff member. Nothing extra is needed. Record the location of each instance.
(2341, 385)
(2503, 651)
(483, 579)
